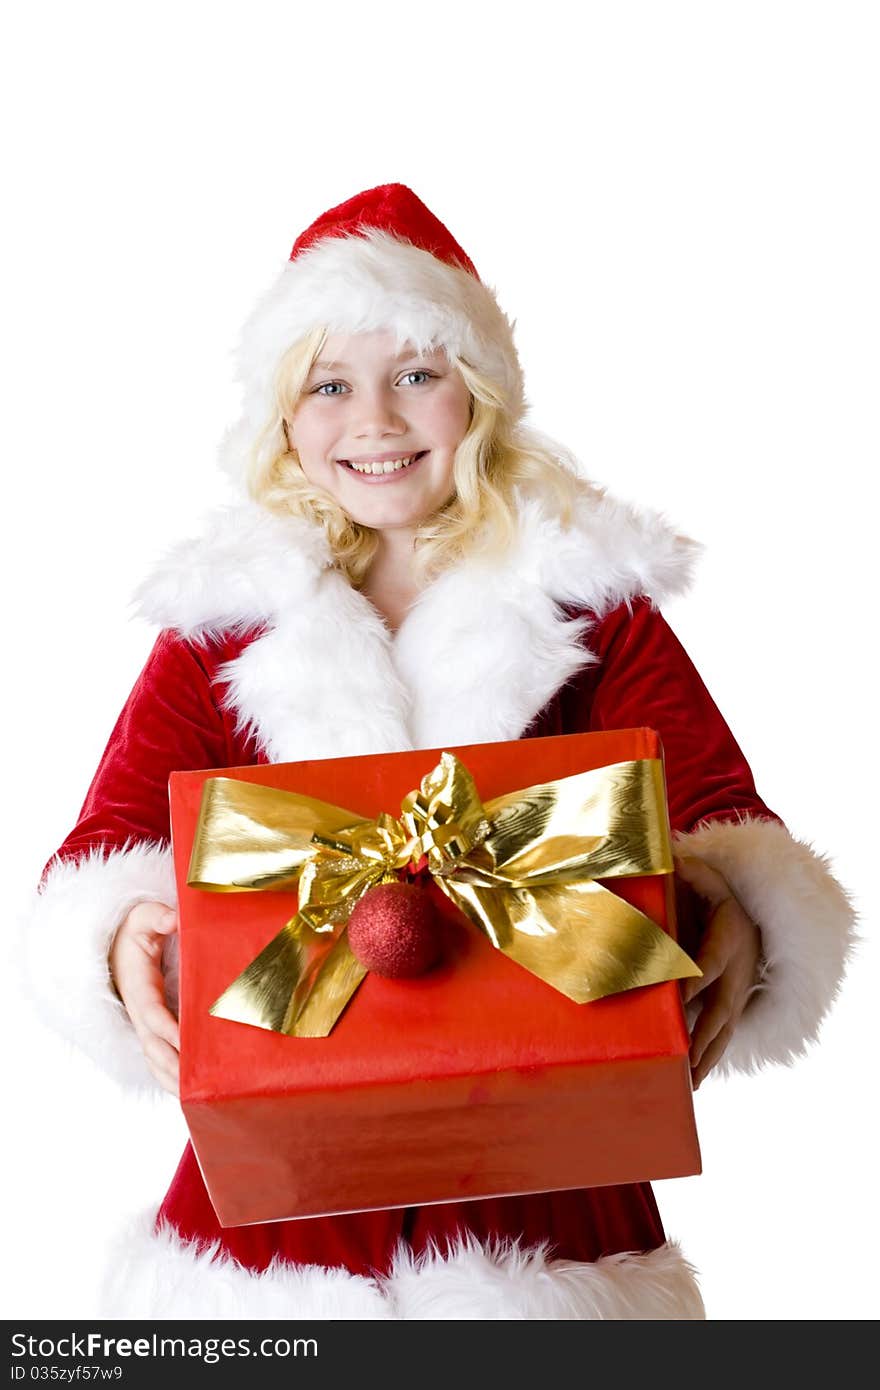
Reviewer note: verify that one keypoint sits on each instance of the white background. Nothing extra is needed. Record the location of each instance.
(678, 203)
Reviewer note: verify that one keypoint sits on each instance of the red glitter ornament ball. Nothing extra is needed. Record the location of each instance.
(393, 931)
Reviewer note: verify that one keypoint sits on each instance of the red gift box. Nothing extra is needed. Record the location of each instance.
(476, 1079)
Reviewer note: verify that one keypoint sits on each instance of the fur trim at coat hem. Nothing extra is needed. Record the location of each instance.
(72, 923)
(155, 1274)
(807, 928)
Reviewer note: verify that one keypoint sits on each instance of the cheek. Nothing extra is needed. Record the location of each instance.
(308, 434)
(451, 419)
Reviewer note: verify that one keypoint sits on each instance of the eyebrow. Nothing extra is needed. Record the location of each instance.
(346, 366)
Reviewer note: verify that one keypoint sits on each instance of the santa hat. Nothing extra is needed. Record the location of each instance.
(381, 260)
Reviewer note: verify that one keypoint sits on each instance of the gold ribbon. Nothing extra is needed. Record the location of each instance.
(522, 868)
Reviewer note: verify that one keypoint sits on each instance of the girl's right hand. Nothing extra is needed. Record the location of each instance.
(136, 971)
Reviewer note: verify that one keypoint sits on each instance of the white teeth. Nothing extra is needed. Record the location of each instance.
(390, 466)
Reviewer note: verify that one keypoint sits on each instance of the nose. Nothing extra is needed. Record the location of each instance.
(378, 414)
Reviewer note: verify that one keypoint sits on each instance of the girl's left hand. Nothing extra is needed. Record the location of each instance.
(730, 959)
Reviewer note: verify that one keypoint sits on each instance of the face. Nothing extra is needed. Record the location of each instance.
(378, 428)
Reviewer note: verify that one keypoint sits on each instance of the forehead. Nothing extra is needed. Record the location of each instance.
(351, 351)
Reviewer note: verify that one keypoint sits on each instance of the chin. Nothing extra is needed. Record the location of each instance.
(390, 519)
(392, 523)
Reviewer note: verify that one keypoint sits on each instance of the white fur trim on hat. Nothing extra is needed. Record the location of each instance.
(161, 1276)
(358, 284)
(67, 936)
(807, 928)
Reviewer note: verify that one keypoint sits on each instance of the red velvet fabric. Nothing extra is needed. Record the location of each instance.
(391, 208)
(175, 719)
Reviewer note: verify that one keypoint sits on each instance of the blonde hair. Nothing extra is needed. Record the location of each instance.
(496, 461)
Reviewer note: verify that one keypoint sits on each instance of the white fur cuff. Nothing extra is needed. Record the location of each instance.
(66, 939)
(807, 927)
(161, 1276)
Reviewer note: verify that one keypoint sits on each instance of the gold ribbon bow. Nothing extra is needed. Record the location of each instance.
(522, 867)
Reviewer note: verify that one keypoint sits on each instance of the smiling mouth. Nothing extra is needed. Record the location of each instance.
(380, 469)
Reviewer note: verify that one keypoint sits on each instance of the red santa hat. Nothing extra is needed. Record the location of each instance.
(380, 260)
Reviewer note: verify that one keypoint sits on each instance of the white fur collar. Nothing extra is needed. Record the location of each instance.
(476, 659)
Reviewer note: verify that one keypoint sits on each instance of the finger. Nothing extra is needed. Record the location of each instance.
(160, 1054)
(160, 1021)
(709, 883)
(167, 1079)
(731, 977)
(150, 937)
(714, 1017)
(712, 963)
(155, 1019)
(166, 921)
(712, 1056)
(144, 998)
(138, 975)
(163, 1062)
(139, 951)
(151, 917)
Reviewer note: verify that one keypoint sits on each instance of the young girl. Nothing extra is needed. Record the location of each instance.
(414, 567)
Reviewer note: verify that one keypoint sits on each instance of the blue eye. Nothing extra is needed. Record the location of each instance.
(417, 371)
(330, 388)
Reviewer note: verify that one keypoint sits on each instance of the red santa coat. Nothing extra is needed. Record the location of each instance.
(268, 654)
